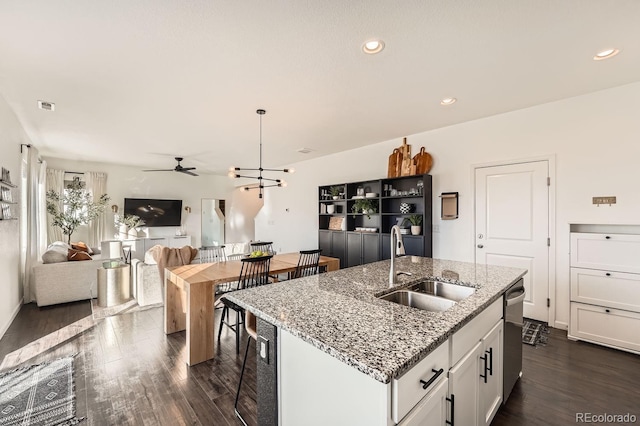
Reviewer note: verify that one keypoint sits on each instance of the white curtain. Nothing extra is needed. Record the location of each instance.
(55, 182)
(33, 217)
(96, 184)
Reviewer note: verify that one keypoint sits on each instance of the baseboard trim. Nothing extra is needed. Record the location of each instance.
(14, 314)
(561, 325)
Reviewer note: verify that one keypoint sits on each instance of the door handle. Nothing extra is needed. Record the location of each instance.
(480, 246)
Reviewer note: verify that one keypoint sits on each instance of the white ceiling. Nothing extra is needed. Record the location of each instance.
(138, 82)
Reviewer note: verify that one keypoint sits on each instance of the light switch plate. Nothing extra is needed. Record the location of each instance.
(263, 349)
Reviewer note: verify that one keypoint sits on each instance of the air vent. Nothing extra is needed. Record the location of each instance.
(305, 150)
(47, 106)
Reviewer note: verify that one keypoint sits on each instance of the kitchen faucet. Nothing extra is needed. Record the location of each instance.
(397, 248)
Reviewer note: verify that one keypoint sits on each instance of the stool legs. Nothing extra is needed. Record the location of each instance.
(244, 364)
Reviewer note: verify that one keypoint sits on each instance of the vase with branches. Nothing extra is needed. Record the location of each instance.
(129, 221)
(75, 206)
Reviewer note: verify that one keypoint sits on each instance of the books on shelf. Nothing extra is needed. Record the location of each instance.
(5, 195)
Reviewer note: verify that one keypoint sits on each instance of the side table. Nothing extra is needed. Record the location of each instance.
(114, 285)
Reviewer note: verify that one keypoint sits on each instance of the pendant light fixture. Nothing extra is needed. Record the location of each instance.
(233, 171)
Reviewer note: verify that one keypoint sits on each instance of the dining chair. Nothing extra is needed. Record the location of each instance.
(212, 254)
(252, 331)
(307, 263)
(264, 246)
(254, 272)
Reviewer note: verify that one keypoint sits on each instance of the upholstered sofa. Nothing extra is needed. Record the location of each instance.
(66, 281)
(60, 280)
(147, 288)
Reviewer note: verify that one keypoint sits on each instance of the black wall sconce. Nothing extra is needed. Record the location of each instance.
(449, 205)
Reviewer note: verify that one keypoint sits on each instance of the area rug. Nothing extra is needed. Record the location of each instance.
(41, 394)
(99, 312)
(534, 332)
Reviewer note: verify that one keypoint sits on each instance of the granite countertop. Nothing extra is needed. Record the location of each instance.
(339, 313)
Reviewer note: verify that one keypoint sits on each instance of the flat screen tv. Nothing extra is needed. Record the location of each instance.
(155, 212)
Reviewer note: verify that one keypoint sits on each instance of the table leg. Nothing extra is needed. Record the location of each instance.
(174, 311)
(333, 265)
(200, 333)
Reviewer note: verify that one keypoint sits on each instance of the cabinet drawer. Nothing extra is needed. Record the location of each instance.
(611, 252)
(407, 391)
(607, 288)
(466, 338)
(613, 327)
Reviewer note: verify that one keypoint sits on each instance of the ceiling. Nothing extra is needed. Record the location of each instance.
(139, 82)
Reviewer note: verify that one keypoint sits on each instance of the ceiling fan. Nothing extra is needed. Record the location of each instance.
(178, 168)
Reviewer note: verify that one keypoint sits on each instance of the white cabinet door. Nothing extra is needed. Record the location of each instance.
(491, 368)
(464, 387)
(179, 241)
(612, 327)
(150, 242)
(431, 410)
(606, 288)
(609, 252)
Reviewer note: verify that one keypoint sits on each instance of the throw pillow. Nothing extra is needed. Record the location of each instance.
(151, 256)
(78, 255)
(82, 247)
(56, 252)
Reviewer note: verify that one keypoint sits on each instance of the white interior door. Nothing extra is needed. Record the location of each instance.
(512, 226)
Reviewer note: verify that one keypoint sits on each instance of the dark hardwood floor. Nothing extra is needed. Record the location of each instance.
(129, 373)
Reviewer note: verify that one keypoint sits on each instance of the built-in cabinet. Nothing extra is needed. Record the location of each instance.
(459, 382)
(605, 289)
(358, 237)
(140, 246)
(7, 199)
(475, 378)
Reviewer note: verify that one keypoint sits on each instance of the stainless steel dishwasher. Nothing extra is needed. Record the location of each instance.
(513, 303)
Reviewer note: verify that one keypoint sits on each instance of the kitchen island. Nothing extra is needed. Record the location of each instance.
(332, 352)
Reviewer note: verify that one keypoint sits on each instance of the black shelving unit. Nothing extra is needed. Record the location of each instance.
(364, 237)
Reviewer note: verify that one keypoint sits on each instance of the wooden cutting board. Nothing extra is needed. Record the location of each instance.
(423, 162)
(405, 150)
(395, 162)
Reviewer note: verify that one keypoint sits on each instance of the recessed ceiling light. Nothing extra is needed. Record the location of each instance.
(373, 46)
(606, 54)
(47, 106)
(448, 101)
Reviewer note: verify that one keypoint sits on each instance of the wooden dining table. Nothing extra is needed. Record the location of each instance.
(189, 298)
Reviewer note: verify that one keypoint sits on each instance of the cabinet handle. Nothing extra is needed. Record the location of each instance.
(490, 352)
(452, 401)
(607, 310)
(607, 237)
(608, 274)
(484, 376)
(432, 379)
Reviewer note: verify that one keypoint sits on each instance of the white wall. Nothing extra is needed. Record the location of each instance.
(594, 139)
(11, 136)
(241, 212)
(130, 182)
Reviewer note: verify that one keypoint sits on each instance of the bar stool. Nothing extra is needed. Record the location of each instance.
(254, 272)
(250, 326)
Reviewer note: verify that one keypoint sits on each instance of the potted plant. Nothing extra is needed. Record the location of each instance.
(335, 191)
(364, 206)
(415, 220)
(74, 207)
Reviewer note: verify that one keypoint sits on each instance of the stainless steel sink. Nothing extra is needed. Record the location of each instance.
(417, 300)
(448, 291)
